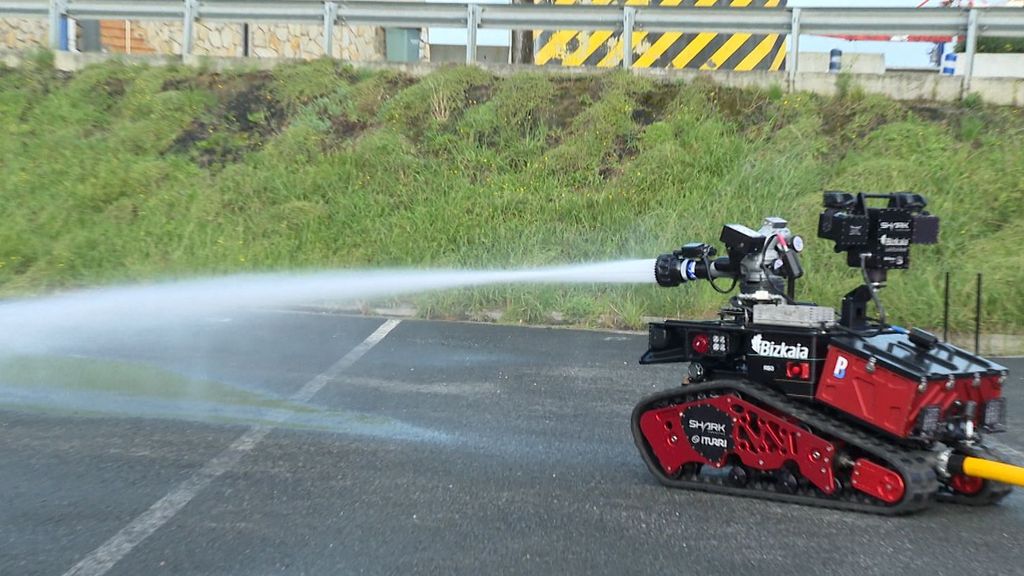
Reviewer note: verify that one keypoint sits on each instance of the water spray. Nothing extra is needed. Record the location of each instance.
(29, 325)
(47, 344)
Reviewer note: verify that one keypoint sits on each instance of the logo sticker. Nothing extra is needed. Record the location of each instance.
(709, 431)
(763, 347)
(840, 370)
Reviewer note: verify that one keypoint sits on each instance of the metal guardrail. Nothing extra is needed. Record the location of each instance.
(124, 10)
(400, 14)
(889, 22)
(17, 9)
(625, 19)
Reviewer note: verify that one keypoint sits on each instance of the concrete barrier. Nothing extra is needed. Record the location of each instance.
(897, 85)
(762, 79)
(993, 65)
(852, 62)
(1004, 91)
(11, 59)
(73, 61)
(450, 54)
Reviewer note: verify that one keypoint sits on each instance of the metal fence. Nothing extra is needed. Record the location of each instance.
(973, 23)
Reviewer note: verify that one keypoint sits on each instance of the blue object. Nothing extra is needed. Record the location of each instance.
(949, 64)
(835, 61)
(62, 42)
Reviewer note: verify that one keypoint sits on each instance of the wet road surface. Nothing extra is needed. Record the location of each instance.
(439, 448)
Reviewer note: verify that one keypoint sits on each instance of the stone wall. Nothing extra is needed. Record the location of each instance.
(162, 37)
(359, 43)
(354, 43)
(24, 33)
(425, 45)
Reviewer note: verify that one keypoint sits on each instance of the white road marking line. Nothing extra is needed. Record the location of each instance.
(102, 559)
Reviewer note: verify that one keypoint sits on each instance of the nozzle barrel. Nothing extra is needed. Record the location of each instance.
(673, 270)
(986, 469)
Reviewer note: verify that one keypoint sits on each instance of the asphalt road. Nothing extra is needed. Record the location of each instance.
(445, 448)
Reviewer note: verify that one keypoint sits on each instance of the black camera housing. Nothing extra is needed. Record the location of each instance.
(741, 241)
(696, 251)
(877, 238)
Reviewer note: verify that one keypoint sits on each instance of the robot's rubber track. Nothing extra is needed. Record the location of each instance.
(914, 466)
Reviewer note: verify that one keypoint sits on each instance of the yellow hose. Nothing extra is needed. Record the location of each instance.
(990, 470)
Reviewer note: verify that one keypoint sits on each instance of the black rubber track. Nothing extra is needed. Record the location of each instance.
(915, 466)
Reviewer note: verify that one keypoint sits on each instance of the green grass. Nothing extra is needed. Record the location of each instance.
(130, 173)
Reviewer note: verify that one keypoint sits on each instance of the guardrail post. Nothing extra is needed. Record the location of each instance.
(472, 23)
(188, 26)
(970, 49)
(330, 18)
(628, 22)
(58, 17)
(793, 58)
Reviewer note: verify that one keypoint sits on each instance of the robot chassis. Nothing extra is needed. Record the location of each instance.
(783, 402)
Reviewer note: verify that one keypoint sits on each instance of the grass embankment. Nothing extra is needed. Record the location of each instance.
(123, 173)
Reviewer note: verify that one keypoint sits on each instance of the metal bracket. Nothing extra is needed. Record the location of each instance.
(628, 25)
(793, 62)
(970, 49)
(472, 23)
(330, 19)
(188, 26)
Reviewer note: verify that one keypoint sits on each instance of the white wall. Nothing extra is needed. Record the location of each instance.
(993, 65)
(457, 36)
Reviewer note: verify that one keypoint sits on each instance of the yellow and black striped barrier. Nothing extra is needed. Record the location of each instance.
(704, 51)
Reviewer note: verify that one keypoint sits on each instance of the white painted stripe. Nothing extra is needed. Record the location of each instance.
(309, 389)
(102, 559)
